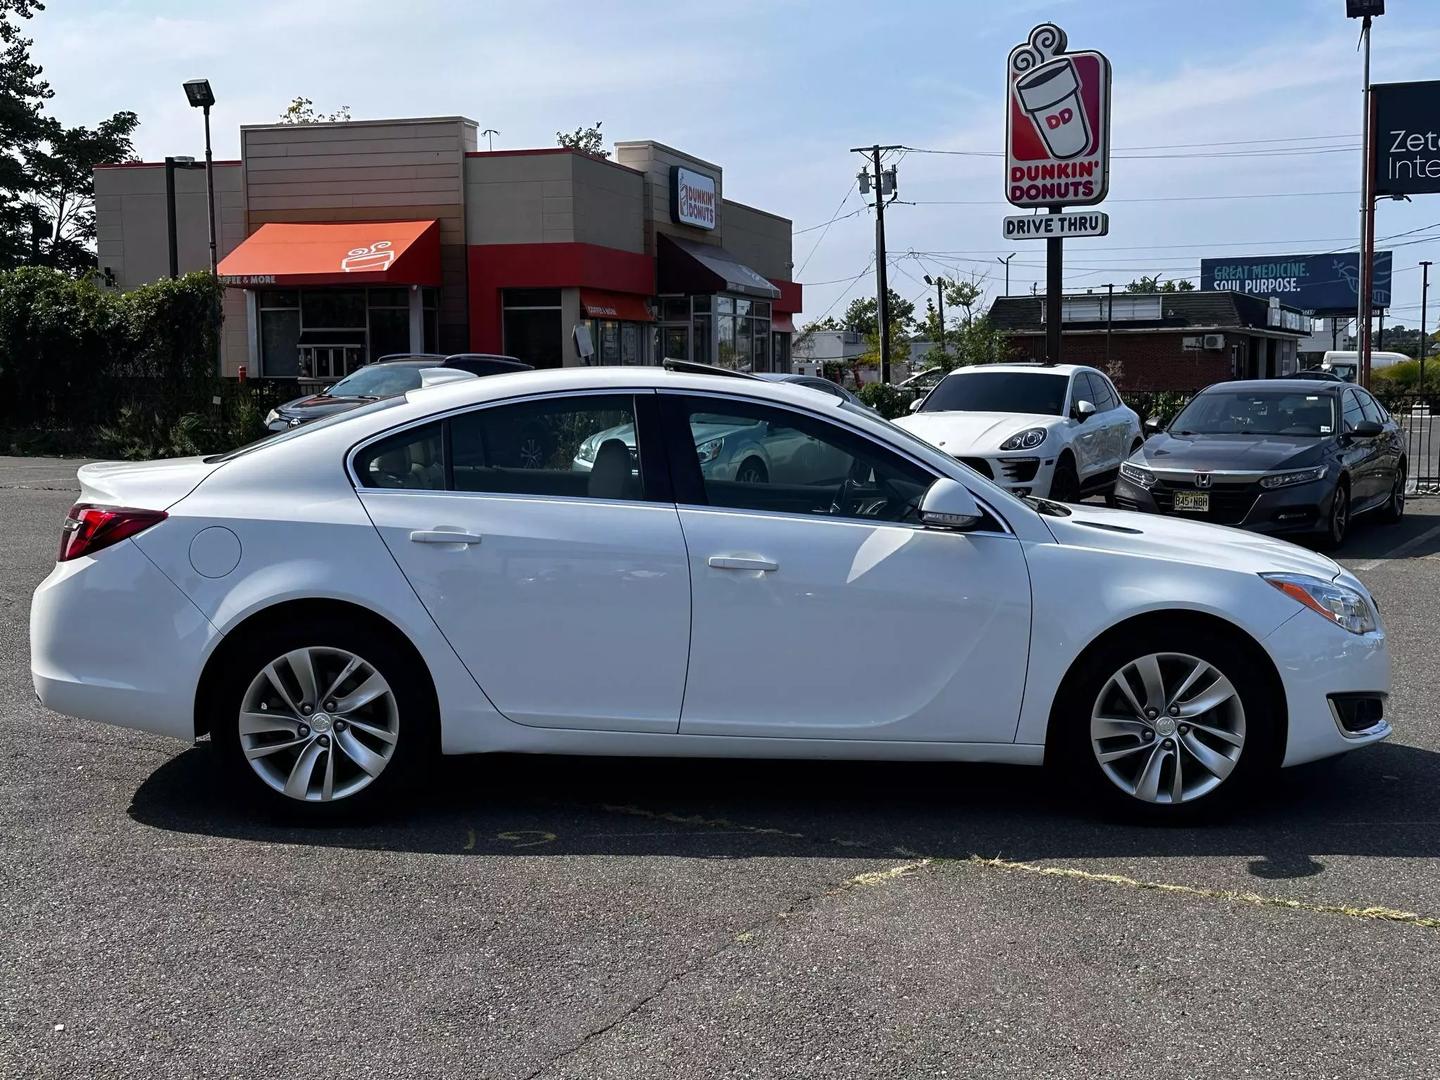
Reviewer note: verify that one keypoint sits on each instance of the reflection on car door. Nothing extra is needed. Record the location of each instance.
(1091, 452)
(1387, 445)
(1360, 455)
(821, 609)
(565, 589)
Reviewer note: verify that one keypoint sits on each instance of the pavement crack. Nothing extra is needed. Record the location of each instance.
(1375, 913)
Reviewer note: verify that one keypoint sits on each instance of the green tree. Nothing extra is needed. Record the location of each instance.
(1153, 284)
(22, 126)
(586, 140)
(970, 337)
(62, 168)
(860, 316)
(301, 110)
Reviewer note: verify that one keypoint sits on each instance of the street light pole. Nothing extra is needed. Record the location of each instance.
(1006, 261)
(1109, 319)
(210, 191)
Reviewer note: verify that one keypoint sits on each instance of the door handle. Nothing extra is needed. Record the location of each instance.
(444, 536)
(740, 562)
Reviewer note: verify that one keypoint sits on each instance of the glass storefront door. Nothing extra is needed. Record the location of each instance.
(674, 343)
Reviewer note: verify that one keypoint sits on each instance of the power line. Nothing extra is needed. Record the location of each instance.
(1151, 198)
(1117, 154)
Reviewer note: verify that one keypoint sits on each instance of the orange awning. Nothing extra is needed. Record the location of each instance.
(365, 253)
(611, 305)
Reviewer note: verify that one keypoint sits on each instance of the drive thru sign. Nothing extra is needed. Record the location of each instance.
(1057, 123)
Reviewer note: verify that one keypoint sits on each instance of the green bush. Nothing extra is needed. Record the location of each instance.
(885, 398)
(127, 374)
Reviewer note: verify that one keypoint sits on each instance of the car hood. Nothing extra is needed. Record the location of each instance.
(967, 432)
(1219, 453)
(1155, 536)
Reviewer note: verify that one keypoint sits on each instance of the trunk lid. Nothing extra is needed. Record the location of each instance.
(150, 485)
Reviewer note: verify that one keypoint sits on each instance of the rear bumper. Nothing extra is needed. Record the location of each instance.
(113, 640)
(1317, 660)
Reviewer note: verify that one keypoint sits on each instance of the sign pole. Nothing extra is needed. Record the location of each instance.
(1367, 221)
(1054, 288)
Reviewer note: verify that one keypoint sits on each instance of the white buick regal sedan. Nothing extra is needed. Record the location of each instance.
(466, 569)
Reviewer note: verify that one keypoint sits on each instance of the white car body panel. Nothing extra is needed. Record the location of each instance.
(302, 531)
(941, 620)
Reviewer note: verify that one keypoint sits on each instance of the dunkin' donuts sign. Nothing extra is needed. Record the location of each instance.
(1057, 131)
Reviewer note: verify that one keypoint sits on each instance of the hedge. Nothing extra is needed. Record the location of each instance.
(88, 371)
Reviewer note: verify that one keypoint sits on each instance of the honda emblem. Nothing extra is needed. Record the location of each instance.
(1203, 480)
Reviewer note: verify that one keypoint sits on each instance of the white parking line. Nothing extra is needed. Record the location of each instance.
(1395, 553)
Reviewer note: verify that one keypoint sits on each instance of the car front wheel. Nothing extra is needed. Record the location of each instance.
(321, 720)
(1166, 724)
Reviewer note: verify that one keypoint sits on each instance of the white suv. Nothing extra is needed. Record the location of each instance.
(1056, 431)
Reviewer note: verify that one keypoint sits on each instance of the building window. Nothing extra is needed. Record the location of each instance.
(327, 333)
(389, 311)
(742, 333)
(532, 326)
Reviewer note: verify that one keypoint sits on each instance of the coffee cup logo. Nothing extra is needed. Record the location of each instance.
(1058, 120)
(378, 256)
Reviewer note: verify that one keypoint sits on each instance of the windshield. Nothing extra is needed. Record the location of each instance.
(306, 429)
(1248, 412)
(377, 381)
(999, 391)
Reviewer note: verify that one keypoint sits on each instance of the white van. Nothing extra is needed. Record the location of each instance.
(1346, 362)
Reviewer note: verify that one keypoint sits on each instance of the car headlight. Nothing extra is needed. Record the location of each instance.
(1341, 604)
(1294, 476)
(587, 450)
(272, 416)
(709, 451)
(1142, 478)
(1028, 439)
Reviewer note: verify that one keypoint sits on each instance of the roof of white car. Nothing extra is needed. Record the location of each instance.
(1044, 369)
(551, 380)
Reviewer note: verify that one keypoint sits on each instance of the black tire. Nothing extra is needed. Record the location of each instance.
(752, 471)
(1072, 754)
(1065, 484)
(1394, 510)
(415, 717)
(1337, 521)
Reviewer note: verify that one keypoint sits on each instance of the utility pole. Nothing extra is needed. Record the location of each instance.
(1424, 295)
(882, 285)
(1006, 261)
(1367, 220)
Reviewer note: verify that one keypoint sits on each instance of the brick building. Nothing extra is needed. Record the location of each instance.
(1162, 341)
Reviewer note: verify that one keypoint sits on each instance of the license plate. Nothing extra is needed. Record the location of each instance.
(1196, 502)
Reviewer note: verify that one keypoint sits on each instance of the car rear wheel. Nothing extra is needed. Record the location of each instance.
(322, 720)
(1166, 725)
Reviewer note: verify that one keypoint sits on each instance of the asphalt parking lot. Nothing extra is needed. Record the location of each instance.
(618, 918)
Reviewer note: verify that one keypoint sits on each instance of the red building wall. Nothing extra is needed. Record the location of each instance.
(1145, 361)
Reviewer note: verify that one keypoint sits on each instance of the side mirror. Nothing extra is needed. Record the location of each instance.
(914, 406)
(1153, 426)
(1083, 410)
(1367, 429)
(948, 504)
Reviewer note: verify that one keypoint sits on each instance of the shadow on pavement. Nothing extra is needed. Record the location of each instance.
(1382, 802)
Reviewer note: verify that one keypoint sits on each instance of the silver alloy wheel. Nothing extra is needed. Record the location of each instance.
(1168, 728)
(314, 744)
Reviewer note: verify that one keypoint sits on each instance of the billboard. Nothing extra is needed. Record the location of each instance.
(1406, 133)
(1326, 284)
(1057, 123)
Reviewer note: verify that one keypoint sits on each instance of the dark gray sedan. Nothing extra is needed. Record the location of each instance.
(1276, 456)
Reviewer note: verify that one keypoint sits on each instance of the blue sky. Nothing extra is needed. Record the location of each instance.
(776, 92)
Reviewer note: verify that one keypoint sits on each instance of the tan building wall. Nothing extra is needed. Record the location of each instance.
(655, 160)
(369, 170)
(759, 240)
(132, 238)
(549, 197)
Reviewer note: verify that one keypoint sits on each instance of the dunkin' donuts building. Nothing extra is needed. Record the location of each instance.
(342, 242)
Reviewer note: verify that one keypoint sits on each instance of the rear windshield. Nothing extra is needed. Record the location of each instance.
(1237, 412)
(999, 391)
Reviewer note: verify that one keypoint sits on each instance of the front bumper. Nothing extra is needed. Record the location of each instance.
(1319, 663)
(112, 639)
(1020, 472)
(1303, 508)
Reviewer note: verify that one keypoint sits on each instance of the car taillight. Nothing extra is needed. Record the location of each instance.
(89, 528)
